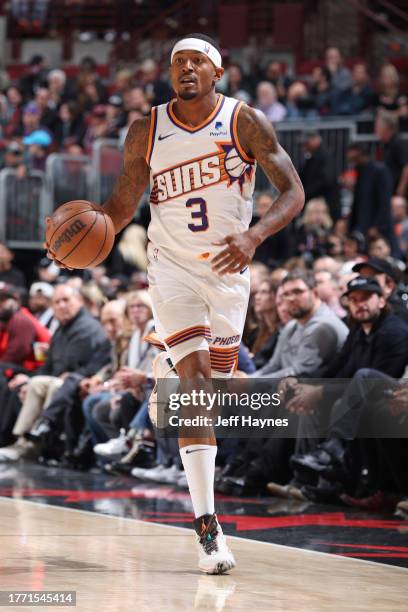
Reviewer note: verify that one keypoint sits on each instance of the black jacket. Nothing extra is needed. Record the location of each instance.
(80, 346)
(319, 180)
(372, 200)
(385, 349)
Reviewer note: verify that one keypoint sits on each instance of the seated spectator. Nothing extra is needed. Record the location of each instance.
(14, 159)
(317, 172)
(356, 98)
(262, 340)
(299, 104)
(70, 128)
(276, 248)
(387, 275)
(400, 218)
(115, 116)
(47, 271)
(46, 107)
(267, 102)
(354, 246)
(98, 127)
(156, 89)
(56, 81)
(40, 304)
(327, 289)
(321, 90)
(8, 273)
(311, 338)
(12, 111)
(340, 75)
(313, 228)
(89, 93)
(394, 151)
(122, 81)
(135, 99)
(34, 76)
(38, 147)
(275, 74)
(388, 89)
(17, 331)
(378, 246)
(78, 346)
(236, 85)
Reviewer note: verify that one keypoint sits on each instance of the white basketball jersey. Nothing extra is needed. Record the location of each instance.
(201, 180)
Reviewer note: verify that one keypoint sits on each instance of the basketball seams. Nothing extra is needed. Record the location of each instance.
(103, 243)
(82, 237)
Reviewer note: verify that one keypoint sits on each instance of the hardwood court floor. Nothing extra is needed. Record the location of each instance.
(118, 564)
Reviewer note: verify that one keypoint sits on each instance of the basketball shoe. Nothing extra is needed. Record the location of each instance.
(214, 556)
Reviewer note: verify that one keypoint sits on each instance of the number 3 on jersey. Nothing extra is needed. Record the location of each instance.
(198, 214)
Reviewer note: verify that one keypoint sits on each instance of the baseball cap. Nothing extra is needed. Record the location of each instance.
(8, 291)
(362, 283)
(380, 265)
(44, 288)
(115, 101)
(14, 147)
(38, 137)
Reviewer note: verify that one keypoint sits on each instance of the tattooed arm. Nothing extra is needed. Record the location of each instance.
(133, 180)
(258, 139)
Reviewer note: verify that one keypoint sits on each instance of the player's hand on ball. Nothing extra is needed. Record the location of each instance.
(50, 254)
(236, 256)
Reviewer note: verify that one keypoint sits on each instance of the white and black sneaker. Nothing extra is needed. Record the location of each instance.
(214, 555)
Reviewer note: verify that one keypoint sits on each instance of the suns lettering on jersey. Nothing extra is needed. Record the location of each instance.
(195, 174)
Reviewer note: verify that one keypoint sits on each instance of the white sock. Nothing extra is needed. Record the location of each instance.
(199, 466)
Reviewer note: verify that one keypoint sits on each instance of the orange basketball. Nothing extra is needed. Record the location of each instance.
(80, 234)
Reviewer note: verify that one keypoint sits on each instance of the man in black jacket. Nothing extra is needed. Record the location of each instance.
(318, 174)
(387, 276)
(79, 346)
(371, 206)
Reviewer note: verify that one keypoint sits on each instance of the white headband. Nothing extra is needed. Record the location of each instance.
(196, 44)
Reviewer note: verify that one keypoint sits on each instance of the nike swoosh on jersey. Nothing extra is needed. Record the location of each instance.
(195, 450)
(161, 137)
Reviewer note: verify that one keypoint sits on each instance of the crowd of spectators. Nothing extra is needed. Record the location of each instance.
(329, 296)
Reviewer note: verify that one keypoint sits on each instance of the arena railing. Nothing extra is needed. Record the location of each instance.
(68, 177)
(23, 208)
(107, 159)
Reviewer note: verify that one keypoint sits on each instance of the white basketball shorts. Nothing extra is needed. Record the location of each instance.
(195, 309)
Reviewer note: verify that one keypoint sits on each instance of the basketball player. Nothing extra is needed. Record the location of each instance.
(199, 153)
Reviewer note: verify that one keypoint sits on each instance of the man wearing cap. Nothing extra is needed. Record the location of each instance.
(379, 341)
(199, 153)
(387, 276)
(39, 302)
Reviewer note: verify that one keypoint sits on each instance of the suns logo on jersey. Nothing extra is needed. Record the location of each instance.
(224, 164)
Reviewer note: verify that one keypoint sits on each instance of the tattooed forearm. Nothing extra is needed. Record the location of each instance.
(258, 139)
(132, 182)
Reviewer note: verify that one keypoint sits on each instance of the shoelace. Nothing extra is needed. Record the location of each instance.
(208, 537)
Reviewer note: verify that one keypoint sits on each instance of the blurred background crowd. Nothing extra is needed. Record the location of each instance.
(329, 293)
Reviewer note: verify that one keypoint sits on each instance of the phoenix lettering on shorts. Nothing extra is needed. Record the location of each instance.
(226, 341)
